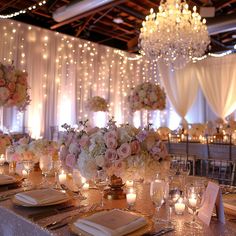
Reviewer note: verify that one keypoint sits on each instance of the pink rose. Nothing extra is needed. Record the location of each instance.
(84, 141)
(111, 134)
(2, 82)
(110, 155)
(124, 150)
(111, 143)
(135, 147)
(16, 157)
(11, 86)
(70, 160)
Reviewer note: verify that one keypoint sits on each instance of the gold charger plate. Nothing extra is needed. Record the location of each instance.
(24, 204)
(145, 229)
(231, 210)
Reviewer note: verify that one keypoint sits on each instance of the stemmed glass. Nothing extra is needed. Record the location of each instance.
(101, 182)
(45, 164)
(28, 166)
(174, 167)
(195, 196)
(56, 167)
(157, 193)
(78, 181)
(184, 167)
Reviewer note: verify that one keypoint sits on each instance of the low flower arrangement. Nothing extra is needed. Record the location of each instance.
(13, 87)
(97, 104)
(26, 150)
(124, 151)
(5, 141)
(147, 96)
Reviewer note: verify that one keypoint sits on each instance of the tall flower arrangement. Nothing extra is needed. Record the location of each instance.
(97, 104)
(147, 96)
(13, 87)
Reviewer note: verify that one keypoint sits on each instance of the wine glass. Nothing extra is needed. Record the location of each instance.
(45, 164)
(174, 167)
(101, 182)
(57, 167)
(28, 166)
(185, 167)
(157, 193)
(78, 181)
(195, 196)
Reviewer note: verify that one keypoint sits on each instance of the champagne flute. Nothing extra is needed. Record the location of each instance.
(195, 196)
(45, 164)
(101, 182)
(157, 193)
(57, 167)
(28, 166)
(184, 168)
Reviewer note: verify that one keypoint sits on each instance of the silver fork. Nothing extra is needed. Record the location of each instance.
(65, 220)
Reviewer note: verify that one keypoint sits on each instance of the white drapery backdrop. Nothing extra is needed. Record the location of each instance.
(64, 72)
(218, 83)
(181, 87)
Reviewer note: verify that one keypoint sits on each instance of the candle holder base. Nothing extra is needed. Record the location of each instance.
(115, 192)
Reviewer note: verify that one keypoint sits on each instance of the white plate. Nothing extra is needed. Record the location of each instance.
(24, 204)
(229, 202)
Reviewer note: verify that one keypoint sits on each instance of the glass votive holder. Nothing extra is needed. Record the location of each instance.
(180, 206)
(131, 197)
(2, 159)
(62, 177)
(129, 183)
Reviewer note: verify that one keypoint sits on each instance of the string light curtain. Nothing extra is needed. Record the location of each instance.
(64, 72)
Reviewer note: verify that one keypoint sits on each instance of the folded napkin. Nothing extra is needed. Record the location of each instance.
(6, 179)
(41, 196)
(230, 204)
(111, 223)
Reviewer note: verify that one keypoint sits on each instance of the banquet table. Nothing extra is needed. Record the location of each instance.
(221, 151)
(15, 220)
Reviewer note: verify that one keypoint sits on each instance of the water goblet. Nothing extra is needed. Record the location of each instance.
(195, 196)
(28, 166)
(101, 181)
(45, 164)
(56, 168)
(157, 193)
(79, 182)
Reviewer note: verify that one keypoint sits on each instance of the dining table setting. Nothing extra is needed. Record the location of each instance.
(75, 209)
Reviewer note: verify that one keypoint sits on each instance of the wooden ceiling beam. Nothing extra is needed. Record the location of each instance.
(130, 11)
(109, 34)
(42, 14)
(88, 13)
(117, 27)
(82, 27)
(224, 4)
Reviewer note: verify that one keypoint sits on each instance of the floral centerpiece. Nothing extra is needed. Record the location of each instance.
(147, 96)
(123, 151)
(26, 150)
(5, 141)
(97, 104)
(13, 87)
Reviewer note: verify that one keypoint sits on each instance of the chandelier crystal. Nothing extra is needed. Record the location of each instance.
(174, 34)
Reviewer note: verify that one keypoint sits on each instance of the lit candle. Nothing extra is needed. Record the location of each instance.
(2, 160)
(24, 173)
(182, 137)
(85, 186)
(193, 200)
(179, 206)
(129, 183)
(62, 177)
(131, 197)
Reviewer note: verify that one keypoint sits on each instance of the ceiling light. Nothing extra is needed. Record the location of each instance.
(118, 20)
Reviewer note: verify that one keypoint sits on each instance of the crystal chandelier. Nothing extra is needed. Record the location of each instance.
(174, 34)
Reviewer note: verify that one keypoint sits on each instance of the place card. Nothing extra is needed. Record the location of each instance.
(213, 198)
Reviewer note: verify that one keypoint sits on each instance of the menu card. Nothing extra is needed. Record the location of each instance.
(213, 198)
